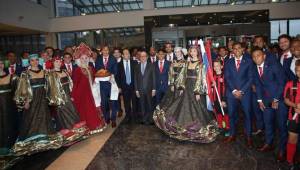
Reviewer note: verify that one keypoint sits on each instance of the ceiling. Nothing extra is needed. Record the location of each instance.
(13, 30)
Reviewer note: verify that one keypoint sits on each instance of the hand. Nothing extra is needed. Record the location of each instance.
(298, 106)
(120, 90)
(153, 93)
(253, 88)
(72, 99)
(197, 97)
(137, 93)
(213, 84)
(275, 105)
(224, 104)
(26, 106)
(180, 92)
(172, 88)
(261, 106)
(238, 94)
(297, 110)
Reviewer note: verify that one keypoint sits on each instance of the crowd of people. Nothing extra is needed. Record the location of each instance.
(58, 97)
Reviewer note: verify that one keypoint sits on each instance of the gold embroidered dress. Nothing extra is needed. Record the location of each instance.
(185, 118)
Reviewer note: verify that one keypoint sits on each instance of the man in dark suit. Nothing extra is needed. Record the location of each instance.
(125, 81)
(68, 65)
(239, 77)
(289, 67)
(152, 58)
(14, 67)
(145, 87)
(170, 56)
(107, 62)
(162, 67)
(269, 81)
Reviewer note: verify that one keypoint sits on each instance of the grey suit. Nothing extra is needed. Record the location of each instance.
(144, 84)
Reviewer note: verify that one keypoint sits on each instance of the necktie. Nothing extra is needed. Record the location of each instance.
(161, 66)
(12, 69)
(153, 60)
(127, 73)
(260, 69)
(105, 62)
(143, 68)
(238, 62)
(69, 69)
(285, 56)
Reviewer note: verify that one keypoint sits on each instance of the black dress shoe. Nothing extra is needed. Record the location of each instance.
(113, 124)
(265, 148)
(249, 143)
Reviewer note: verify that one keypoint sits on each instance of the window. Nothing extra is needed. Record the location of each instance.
(85, 7)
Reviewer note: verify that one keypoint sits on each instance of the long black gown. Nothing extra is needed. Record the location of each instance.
(8, 114)
(66, 115)
(185, 118)
(37, 119)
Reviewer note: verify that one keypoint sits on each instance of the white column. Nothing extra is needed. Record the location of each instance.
(148, 4)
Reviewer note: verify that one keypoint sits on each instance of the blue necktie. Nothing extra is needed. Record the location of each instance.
(127, 72)
(143, 68)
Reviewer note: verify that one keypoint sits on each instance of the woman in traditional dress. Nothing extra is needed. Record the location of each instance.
(8, 111)
(187, 118)
(83, 78)
(37, 130)
(172, 93)
(59, 85)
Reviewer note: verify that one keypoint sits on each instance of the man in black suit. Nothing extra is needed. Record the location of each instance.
(68, 65)
(14, 67)
(152, 58)
(145, 87)
(125, 81)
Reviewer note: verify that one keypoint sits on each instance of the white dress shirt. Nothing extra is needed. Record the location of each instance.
(293, 64)
(289, 55)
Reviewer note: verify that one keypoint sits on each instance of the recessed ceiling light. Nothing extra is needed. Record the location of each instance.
(83, 14)
(118, 11)
(193, 6)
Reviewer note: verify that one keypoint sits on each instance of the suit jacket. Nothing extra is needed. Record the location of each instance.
(162, 78)
(145, 83)
(112, 65)
(271, 84)
(240, 80)
(73, 66)
(18, 69)
(121, 75)
(287, 69)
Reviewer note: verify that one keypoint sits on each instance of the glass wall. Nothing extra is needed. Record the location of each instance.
(85, 7)
(192, 3)
(20, 43)
(121, 37)
(290, 27)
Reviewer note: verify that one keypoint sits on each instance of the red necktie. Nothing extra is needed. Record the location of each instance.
(161, 67)
(238, 62)
(69, 69)
(12, 69)
(260, 71)
(105, 62)
(285, 56)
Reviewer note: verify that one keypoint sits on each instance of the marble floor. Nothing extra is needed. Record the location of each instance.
(140, 147)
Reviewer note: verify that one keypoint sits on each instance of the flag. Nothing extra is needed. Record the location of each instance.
(206, 59)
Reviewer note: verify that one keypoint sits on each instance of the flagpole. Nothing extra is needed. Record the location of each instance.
(219, 99)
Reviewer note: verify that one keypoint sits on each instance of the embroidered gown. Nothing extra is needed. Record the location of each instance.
(185, 118)
(37, 132)
(8, 114)
(66, 115)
